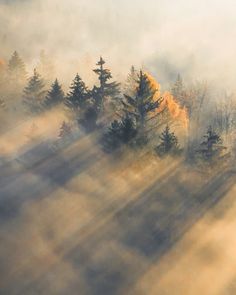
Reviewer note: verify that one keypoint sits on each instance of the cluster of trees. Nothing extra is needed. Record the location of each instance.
(125, 117)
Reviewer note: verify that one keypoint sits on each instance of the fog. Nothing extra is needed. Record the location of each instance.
(195, 38)
(78, 219)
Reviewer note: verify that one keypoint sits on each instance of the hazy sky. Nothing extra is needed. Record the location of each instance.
(195, 37)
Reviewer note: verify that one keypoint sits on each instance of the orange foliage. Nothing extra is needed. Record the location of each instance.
(169, 103)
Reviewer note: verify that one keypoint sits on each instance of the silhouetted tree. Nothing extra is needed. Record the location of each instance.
(54, 96)
(106, 91)
(168, 144)
(78, 96)
(141, 106)
(34, 93)
(211, 148)
(120, 133)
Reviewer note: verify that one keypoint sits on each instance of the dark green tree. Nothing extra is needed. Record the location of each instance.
(34, 93)
(120, 133)
(211, 148)
(78, 97)
(106, 91)
(142, 106)
(16, 68)
(54, 96)
(168, 144)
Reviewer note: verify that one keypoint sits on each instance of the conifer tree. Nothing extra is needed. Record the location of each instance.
(178, 91)
(168, 144)
(142, 105)
(131, 83)
(16, 68)
(54, 96)
(106, 91)
(120, 133)
(79, 96)
(211, 148)
(34, 93)
(65, 130)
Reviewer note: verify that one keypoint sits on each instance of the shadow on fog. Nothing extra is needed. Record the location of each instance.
(120, 243)
(39, 171)
(111, 255)
(148, 227)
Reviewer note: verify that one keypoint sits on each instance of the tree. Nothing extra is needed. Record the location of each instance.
(88, 119)
(105, 91)
(16, 68)
(178, 91)
(131, 83)
(141, 106)
(211, 148)
(168, 144)
(78, 96)
(65, 130)
(34, 93)
(54, 96)
(120, 133)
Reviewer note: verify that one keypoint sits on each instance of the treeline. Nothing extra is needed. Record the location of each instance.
(134, 115)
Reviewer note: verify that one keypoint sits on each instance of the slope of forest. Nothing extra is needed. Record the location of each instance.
(118, 188)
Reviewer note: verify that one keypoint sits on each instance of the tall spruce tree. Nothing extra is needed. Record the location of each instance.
(79, 96)
(168, 144)
(16, 68)
(34, 93)
(54, 96)
(211, 148)
(106, 91)
(141, 106)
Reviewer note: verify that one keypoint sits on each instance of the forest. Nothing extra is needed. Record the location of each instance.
(113, 186)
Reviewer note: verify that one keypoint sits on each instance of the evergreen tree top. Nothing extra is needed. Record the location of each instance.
(77, 86)
(16, 65)
(55, 95)
(100, 62)
(35, 84)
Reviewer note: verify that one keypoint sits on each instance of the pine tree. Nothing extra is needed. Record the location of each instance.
(54, 96)
(65, 130)
(120, 133)
(141, 106)
(16, 68)
(168, 144)
(178, 91)
(79, 96)
(211, 148)
(34, 93)
(105, 92)
(131, 83)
